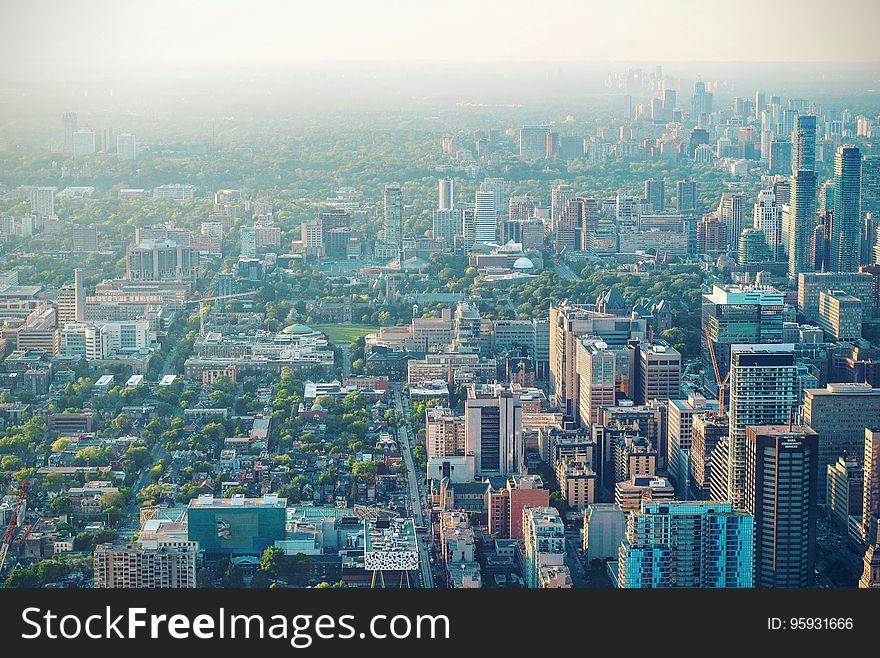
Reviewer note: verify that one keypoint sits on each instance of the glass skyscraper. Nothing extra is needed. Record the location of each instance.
(846, 223)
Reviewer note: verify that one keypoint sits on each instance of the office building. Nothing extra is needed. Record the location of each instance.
(856, 284)
(567, 323)
(687, 544)
(126, 146)
(736, 314)
(595, 365)
(237, 525)
(763, 391)
(658, 373)
(844, 482)
(840, 315)
(871, 486)
(781, 493)
(871, 570)
(145, 565)
(686, 196)
(679, 432)
(521, 208)
(533, 141)
(847, 219)
(840, 414)
(701, 102)
(493, 429)
(544, 542)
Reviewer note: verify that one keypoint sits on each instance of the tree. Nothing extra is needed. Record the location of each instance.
(270, 562)
(61, 505)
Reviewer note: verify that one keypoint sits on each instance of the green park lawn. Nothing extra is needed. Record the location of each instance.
(344, 333)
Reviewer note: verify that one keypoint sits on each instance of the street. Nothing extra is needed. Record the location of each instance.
(415, 493)
(564, 271)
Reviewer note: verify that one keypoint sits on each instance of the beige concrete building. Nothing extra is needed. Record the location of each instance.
(140, 566)
(841, 413)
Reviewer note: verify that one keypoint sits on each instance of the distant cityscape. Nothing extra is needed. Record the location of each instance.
(638, 349)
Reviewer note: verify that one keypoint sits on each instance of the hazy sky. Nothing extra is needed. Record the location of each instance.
(99, 35)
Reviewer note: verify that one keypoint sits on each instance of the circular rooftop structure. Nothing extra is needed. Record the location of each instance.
(523, 264)
(297, 330)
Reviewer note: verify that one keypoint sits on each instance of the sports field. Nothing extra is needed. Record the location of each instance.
(344, 333)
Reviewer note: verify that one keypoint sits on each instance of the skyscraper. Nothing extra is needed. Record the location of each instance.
(871, 490)
(687, 544)
(84, 142)
(799, 222)
(485, 217)
(559, 198)
(248, 242)
(780, 157)
(655, 194)
(686, 196)
(446, 224)
(763, 391)
(871, 185)
(801, 216)
(69, 121)
(498, 188)
(126, 146)
(803, 143)
(394, 216)
(533, 141)
(768, 218)
(732, 213)
(544, 542)
(43, 201)
(846, 222)
(701, 103)
(493, 429)
(781, 492)
(595, 371)
(445, 193)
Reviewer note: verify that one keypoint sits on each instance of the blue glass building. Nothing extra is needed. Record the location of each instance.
(687, 544)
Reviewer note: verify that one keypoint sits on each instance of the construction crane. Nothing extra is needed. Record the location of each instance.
(9, 535)
(721, 383)
(200, 300)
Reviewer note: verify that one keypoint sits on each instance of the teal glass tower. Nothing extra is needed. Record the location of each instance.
(702, 544)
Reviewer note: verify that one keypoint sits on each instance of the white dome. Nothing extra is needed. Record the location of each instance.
(523, 264)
